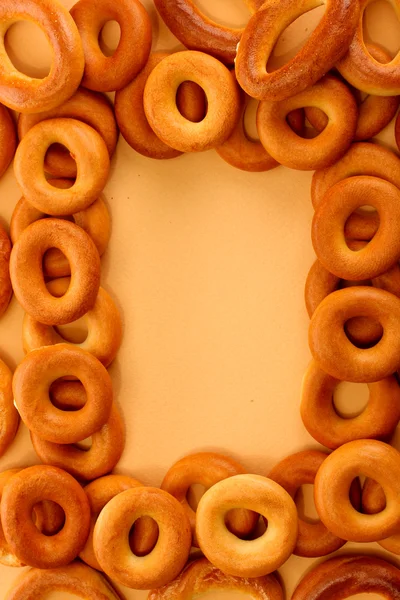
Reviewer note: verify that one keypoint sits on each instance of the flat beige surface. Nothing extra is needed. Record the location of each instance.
(208, 265)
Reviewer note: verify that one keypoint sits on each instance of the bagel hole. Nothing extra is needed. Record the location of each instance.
(238, 15)
(376, 502)
(63, 152)
(143, 540)
(250, 120)
(191, 101)
(109, 37)
(48, 517)
(28, 49)
(363, 332)
(304, 500)
(294, 37)
(194, 495)
(84, 445)
(350, 399)
(258, 530)
(75, 332)
(67, 395)
(381, 26)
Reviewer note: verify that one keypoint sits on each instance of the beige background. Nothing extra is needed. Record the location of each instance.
(208, 265)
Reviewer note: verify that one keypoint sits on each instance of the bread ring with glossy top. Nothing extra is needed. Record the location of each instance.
(38, 370)
(328, 236)
(291, 150)
(206, 469)
(346, 576)
(335, 353)
(29, 94)
(319, 54)
(8, 139)
(76, 579)
(373, 459)
(25, 489)
(109, 73)
(374, 501)
(99, 493)
(222, 94)
(103, 323)
(107, 443)
(244, 558)
(291, 473)
(90, 107)
(111, 538)
(378, 420)
(95, 220)
(92, 159)
(27, 271)
(132, 120)
(360, 68)
(9, 417)
(201, 577)
(6, 290)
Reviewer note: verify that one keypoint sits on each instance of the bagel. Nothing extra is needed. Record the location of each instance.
(9, 415)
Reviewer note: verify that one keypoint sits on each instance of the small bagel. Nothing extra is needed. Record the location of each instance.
(8, 139)
(29, 94)
(107, 443)
(103, 323)
(375, 112)
(109, 73)
(373, 459)
(335, 99)
(111, 538)
(244, 558)
(163, 115)
(132, 120)
(207, 468)
(95, 220)
(38, 370)
(335, 353)
(328, 236)
(349, 576)
(6, 289)
(378, 420)
(374, 501)
(99, 493)
(291, 473)
(27, 271)
(198, 32)
(21, 493)
(76, 579)
(9, 417)
(91, 155)
(319, 54)
(360, 68)
(90, 107)
(201, 577)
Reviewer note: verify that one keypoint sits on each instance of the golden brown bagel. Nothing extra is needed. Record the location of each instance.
(335, 353)
(347, 576)
(291, 473)
(8, 139)
(27, 274)
(99, 493)
(320, 53)
(201, 577)
(243, 558)
(7, 557)
(109, 73)
(76, 579)
(374, 501)
(38, 370)
(89, 151)
(373, 459)
(132, 120)
(206, 469)
(163, 114)
(291, 150)
(9, 417)
(5, 280)
(90, 107)
(111, 538)
(103, 323)
(378, 420)
(27, 94)
(328, 236)
(95, 220)
(25, 489)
